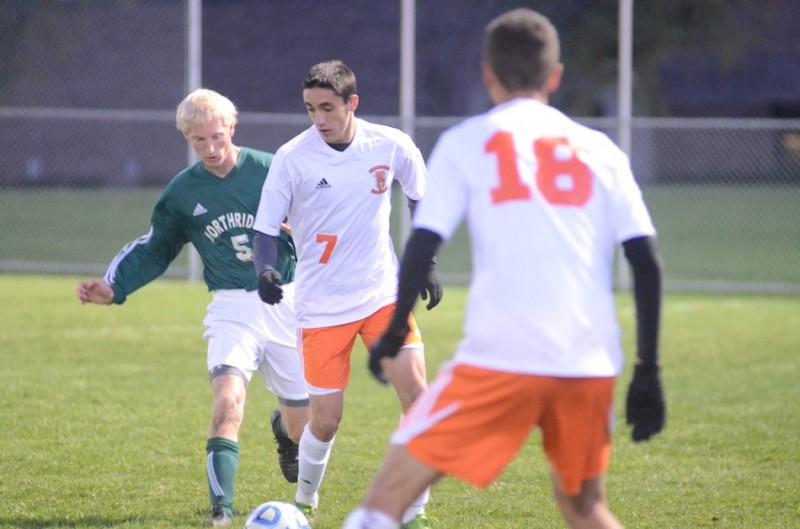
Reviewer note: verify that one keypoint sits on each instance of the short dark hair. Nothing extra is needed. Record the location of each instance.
(522, 48)
(333, 75)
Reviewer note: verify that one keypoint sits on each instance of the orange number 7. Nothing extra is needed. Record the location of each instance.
(330, 242)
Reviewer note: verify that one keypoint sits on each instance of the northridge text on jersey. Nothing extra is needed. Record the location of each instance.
(226, 222)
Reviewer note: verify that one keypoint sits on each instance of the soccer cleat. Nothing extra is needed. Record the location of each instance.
(287, 449)
(307, 509)
(218, 518)
(421, 521)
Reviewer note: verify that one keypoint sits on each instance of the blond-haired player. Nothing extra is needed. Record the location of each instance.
(212, 204)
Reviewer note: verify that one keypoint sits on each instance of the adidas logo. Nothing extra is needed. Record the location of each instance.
(323, 184)
(199, 210)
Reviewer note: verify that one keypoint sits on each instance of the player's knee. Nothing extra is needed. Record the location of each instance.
(588, 500)
(295, 424)
(228, 410)
(408, 389)
(325, 428)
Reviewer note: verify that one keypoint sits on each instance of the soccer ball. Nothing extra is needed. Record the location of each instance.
(276, 515)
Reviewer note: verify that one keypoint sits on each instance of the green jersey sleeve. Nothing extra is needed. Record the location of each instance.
(146, 258)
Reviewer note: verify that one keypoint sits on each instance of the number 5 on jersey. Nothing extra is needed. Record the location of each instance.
(562, 177)
(329, 241)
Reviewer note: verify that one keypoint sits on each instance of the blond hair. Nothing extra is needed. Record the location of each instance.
(202, 106)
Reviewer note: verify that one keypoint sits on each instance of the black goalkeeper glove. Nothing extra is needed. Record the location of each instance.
(645, 408)
(432, 287)
(387, 346)
(269, 286)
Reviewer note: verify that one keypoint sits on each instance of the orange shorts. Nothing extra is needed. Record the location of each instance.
(326, 350)
(471, 422)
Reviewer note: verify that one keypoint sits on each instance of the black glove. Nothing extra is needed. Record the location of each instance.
(387, 346)
(269, 286)
(645, 409)
(433, 287)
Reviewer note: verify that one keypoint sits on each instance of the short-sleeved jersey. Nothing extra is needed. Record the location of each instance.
(547, 201)
(338, 204)
(216, 215)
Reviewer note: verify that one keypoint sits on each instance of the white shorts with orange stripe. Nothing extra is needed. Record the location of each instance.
(471, 422)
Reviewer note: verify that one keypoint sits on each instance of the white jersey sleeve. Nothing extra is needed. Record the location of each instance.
(411, 172)
(276, 195)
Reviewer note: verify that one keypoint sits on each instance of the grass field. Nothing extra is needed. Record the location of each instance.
(104, 412)
(706, 232)
(77, 228)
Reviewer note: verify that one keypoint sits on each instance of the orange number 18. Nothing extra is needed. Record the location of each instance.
(562, 178)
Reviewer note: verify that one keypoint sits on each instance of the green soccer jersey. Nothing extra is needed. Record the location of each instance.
(216, 215)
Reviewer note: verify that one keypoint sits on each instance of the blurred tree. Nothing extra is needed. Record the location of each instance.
(449, 48)
(52, 54)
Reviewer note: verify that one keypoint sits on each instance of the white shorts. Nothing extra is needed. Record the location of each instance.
(249, 335)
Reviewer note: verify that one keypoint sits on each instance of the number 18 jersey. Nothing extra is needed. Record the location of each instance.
(547, 200)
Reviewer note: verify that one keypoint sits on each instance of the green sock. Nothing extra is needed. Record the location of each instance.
(222, 461)
(282, 428)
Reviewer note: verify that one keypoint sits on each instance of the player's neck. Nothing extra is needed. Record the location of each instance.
(504, 96)
(224, 168)
(347, 137)
(339, 146)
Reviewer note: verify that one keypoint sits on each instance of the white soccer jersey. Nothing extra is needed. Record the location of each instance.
(547, 201)
(338, 205)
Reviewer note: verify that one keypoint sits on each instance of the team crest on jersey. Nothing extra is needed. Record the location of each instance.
(379, 172)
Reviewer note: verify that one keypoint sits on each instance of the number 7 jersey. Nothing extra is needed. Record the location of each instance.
(547, 201)
(338, 204)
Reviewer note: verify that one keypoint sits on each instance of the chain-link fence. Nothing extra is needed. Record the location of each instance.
(84, 159)
(724, 195)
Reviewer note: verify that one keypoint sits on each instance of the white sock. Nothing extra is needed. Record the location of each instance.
(417, 506)
(312, 462)
(369, 519)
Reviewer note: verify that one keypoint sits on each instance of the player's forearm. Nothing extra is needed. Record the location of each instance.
(417, 262)
(265, 252)
(646, 268)
(136, 265)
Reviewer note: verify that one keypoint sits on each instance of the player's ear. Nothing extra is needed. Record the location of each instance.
(554, 81)
(489, 78)
(492, 83)
(352, 103)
